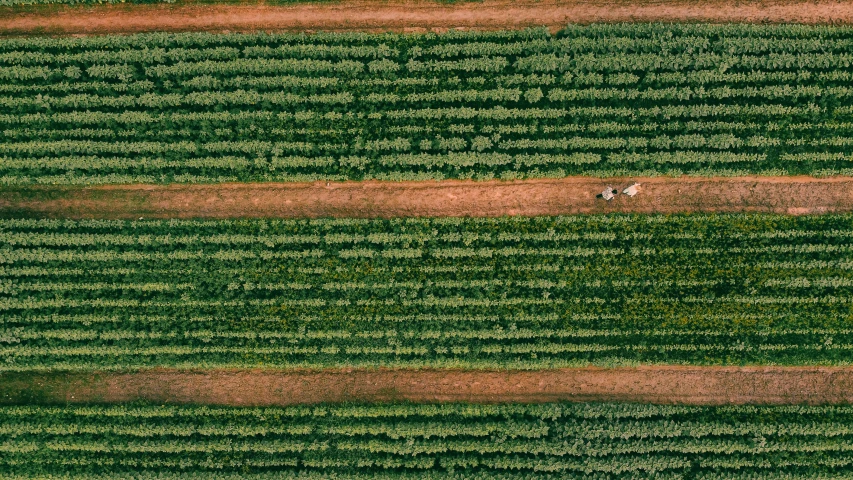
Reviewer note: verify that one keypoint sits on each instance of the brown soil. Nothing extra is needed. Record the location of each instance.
(409, 15)
(785, 195)
(651, 384)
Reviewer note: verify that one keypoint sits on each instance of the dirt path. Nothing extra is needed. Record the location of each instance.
(786, 195)
(409, 15)
(667, 385)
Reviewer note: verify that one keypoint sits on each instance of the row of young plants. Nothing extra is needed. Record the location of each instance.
(237, 107)
(731, 38)
(427, 441)
(476, 293)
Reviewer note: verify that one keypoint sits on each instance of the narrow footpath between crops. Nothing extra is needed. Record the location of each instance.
(574, 195)
(650, 384)
(410, 16)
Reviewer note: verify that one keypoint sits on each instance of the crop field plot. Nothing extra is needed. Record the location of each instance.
(599, 100)
(479, 293)
(428, 441)
(196, 283)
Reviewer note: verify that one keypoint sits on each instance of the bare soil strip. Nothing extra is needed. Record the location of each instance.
(651, 384)
(574, 195)
(409, 15)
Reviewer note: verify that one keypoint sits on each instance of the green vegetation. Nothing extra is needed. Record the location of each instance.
(448, 441)
(592, 100)
(478, 293)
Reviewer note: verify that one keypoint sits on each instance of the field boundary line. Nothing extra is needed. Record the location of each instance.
(457, 198)
(406, 16)
(647, 384)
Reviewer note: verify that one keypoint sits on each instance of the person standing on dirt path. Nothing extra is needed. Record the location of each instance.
(608, 193)
(632, 190)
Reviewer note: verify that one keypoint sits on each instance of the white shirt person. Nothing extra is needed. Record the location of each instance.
(632, 190)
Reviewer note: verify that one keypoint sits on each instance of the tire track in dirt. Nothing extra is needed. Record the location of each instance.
(373, 199)
(407, 15)
(649, 384)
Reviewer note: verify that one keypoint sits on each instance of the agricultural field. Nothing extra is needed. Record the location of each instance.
(504, 293)
(403, 441)
(194, 311)
(599, 100)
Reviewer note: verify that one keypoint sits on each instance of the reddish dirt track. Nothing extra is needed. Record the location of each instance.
(665, 385)
(785, 195)
(408, 15)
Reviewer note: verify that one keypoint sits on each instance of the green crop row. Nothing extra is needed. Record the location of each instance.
(427, 441)
(474, 293)
(160, 108)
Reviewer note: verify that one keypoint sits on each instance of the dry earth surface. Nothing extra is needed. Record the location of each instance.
(650, 384)
(409, 16)
(574, 195)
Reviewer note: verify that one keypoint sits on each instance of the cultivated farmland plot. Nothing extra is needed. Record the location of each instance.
(551, 441)
(603, 100)
(529, 293)
(478, 293)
